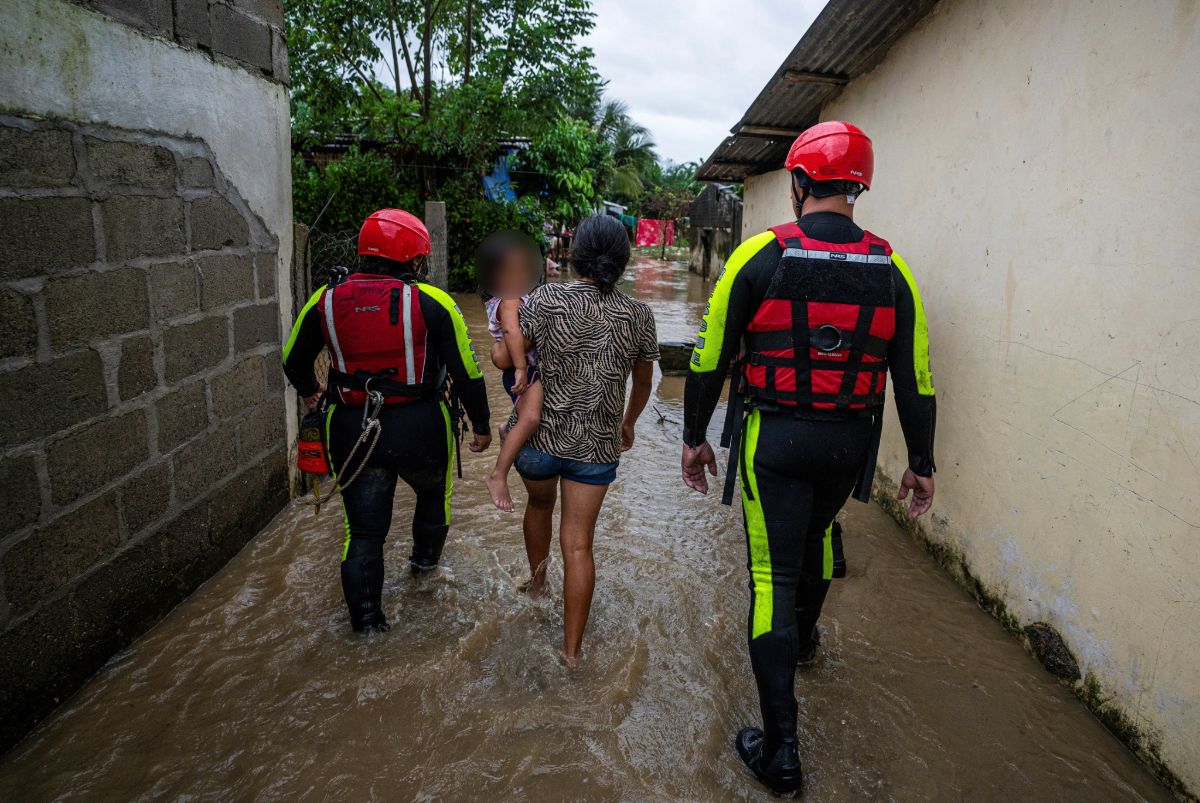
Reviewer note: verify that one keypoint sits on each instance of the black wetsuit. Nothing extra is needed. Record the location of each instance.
(416, 445)
(799, 467)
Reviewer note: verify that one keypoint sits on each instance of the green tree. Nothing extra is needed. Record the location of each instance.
(566, 167)
(632, 148)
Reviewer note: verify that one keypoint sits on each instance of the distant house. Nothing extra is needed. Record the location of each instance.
(715, 224)
(1036, 164)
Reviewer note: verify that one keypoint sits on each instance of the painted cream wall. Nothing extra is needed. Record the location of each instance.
(60, 60)
(1037, 164)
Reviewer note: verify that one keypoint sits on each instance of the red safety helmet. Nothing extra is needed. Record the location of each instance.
(393, 234)
(833, 151)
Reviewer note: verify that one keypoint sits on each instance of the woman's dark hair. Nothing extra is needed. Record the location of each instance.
(600, 250)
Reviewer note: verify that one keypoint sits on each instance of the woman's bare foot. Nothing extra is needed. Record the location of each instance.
(569, 661)
(497, 486)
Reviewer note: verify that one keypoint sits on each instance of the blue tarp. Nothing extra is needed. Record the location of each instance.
(497, 184)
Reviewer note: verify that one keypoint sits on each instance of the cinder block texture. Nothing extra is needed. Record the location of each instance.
(131, 163)
(38, 158)
(141, 411)
(237, 30)
(241, 37)
(28, 225)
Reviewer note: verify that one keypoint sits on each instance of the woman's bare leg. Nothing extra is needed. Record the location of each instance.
(538, 524)
(529, 416)
(581, 506)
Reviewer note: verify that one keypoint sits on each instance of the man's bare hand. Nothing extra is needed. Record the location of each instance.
(922, 492)
(695, 459)
(312, 401)
(479, 443)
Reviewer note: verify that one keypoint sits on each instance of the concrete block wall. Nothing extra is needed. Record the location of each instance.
(142, 421)
(245, 32)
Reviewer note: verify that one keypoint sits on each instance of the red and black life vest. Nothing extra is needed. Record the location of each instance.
(820, 337)
(376, 337)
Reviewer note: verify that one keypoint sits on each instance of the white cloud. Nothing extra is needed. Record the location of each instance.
(689, 68)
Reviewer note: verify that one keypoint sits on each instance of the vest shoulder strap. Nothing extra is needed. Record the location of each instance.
(786, 231)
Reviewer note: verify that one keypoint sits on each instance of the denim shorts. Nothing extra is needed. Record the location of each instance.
(535, 465)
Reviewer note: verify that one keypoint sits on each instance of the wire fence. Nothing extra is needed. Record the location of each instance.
(327, 250)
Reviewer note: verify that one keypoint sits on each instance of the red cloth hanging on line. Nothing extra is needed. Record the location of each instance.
(652, 232)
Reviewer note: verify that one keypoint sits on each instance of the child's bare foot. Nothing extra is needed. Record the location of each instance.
(569, 661)
(497, 486)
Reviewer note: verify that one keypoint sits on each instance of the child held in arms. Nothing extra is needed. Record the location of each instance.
(508, 266)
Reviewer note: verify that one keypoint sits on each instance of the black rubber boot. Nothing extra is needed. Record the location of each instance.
(362, 585)
(777, 768)
(810, 598)
(806, 658)
(427, 548)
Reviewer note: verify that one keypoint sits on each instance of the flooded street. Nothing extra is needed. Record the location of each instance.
(255, 687)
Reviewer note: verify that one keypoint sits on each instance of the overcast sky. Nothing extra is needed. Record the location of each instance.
(689, 68)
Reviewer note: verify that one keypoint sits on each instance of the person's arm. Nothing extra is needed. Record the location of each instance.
(912, 387)
(448, 332)
(301, 349)
(514, 341)
(643, 379)
(735, 297)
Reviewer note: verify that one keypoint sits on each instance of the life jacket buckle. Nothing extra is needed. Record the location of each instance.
(828, 339)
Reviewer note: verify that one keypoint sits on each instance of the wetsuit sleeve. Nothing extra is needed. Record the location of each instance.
(449, 336)
(737, 294)
(912, 380)
(303, 345)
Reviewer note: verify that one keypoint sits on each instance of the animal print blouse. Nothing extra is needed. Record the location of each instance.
(587, 343)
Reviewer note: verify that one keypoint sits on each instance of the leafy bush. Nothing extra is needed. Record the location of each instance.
(470, 217)
(354, 187)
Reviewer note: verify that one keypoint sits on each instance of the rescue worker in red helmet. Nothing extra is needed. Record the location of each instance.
(816, 312)
(391, 338)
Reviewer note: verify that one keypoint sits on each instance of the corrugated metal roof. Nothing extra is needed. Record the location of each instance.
(848, 38)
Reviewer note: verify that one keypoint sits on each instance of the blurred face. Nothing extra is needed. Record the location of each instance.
(514, 270)
(515, 275)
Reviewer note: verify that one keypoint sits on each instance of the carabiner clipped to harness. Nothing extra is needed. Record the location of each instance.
(371, 428)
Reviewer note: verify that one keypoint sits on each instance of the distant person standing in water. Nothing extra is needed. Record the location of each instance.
(817, 311)
(589, 337)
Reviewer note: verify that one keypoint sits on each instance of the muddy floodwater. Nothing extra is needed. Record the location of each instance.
(255, 688)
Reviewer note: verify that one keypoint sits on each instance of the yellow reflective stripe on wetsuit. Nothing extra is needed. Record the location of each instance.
(333, 473)
(291, 341)
(466, 351)
(756, 533)
(450, 446)
(712, 329)
(920, 331)
(827, 553)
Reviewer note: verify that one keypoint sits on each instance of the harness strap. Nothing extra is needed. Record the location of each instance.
(871, 401)
(781, 340)
(380, 382)
(862, 489)
(852, 366)
(800, 354)
(731, 435)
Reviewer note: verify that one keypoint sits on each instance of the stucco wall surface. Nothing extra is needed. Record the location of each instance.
(1043, 191)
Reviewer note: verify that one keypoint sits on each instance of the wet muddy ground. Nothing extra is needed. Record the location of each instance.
(255, 688)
